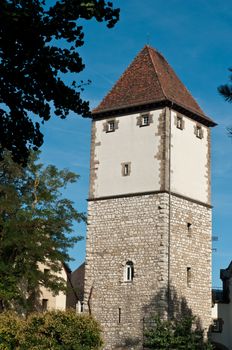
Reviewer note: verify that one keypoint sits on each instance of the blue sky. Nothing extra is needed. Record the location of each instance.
(195, 38)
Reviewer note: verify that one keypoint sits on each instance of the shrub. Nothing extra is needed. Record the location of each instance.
(54, 330)
(181, 334)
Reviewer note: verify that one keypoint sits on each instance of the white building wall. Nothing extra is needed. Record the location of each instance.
(55, 302)
(224, 311)
(140, 146)
(189, 161)
(129, 143)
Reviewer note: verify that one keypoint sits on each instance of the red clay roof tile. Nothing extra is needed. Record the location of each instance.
(148, 79)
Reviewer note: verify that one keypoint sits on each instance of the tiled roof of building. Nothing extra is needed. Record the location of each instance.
(148, 79)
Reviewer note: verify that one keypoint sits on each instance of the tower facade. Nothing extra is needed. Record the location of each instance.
(149, 214)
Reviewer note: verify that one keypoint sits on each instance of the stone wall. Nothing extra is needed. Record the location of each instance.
(136, 228)
(190, 248)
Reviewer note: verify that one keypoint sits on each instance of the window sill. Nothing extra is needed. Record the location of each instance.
(127, 282)
(143, 125)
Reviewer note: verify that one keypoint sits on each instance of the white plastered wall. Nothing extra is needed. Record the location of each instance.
(55, 302)
(189, 157)
(128, 143)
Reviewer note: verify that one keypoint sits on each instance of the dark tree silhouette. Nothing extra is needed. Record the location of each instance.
(226, 89)
(32, 64)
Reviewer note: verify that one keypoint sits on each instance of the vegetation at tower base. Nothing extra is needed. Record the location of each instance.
(36, 224)
(177, 334)
(55, 330)
(38, 46)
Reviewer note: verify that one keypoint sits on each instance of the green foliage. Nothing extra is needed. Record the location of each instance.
(226, 89)
(54, 330)
(35, 228)
(180, 334)
(38, 46)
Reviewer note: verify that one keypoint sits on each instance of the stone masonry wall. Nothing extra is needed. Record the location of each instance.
(190, 248)
(136, 229)
(120, 230)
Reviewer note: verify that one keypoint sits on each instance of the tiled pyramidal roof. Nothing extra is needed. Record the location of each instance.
(148, 80)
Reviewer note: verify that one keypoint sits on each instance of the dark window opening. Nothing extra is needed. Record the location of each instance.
(189, 226)
(189, 276)
(126, 169)
(119, 315)
(129, 271)
(44, 304)
(217, 326)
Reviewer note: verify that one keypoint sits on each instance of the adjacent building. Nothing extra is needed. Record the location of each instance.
(222, 312)
(47, 300)
(75, 290)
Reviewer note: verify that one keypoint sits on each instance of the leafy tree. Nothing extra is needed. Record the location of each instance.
(56, 330)
(35, 228)
(38, 46)
(181, 334)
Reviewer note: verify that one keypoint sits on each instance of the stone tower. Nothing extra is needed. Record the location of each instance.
(149, 213)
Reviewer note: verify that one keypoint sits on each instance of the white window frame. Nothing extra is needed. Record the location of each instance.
(79, 307)
(145, 119)
(179, 122)
(111, 126)
(199, 132)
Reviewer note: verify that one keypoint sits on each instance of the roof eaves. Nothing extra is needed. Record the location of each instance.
(170, 103)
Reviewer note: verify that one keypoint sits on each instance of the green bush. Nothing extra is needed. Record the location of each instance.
(54, 330)
(181, 334)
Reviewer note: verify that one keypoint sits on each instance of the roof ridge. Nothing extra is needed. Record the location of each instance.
(156, 71)
(177, 77)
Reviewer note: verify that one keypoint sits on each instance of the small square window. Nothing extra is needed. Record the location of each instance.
(179, 123)
(126, 169)
(199, 132)
(145, 120)
(110, 126)
(216, 327)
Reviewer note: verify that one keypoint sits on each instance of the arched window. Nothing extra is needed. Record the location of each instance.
(129, 271)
